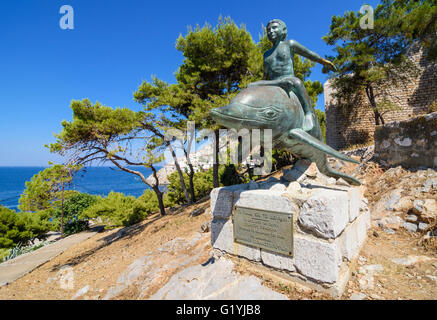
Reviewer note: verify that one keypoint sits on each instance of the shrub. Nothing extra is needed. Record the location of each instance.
(4, 253)
(75, 226)
(229, 175)
(202, 182)
(149, 201)
(74, 206)
(116, 210)
(20, 227)
(322, 122)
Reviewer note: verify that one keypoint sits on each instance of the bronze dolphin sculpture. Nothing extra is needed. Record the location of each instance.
(270, 107)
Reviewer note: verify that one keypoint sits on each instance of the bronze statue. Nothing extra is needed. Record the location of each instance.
(281, 103)
(278, 67)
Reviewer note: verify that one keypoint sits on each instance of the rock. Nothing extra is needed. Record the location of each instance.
(429, 183)
(355, 203)
(423, 226)
(317, 259)
(215, 281)
(354, 236)
(375, 234)
(371, 269)
(278, 187)
(80, 292)
(294, 187)
(375, 297)
(409, 226)
(358, 296)
(393, 200)
(429, 212)
(366, 282)
(293, 175)
(341, 182)
(410, 260)
(432, 278)
(411, 218)
(418, 206)
(222, 238)
(326, 213)
(306, 167)
(265, 200)
(389, 231)
(277, 260)
(196, 212)
(205, 227)
(390, 222)
(331, 181)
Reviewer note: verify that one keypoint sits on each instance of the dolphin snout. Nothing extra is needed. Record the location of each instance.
(230, 110)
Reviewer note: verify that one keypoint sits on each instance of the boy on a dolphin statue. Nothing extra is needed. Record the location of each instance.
(278, 67)
(280, 103)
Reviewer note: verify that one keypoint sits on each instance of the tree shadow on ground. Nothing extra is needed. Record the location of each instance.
(127, 233)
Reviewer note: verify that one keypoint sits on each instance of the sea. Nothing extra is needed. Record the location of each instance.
(92, 180)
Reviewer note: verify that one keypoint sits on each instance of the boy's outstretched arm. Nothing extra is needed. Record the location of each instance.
(305, 52)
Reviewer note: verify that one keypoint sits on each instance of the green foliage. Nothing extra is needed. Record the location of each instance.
(280, 158)
(433, 107)
(20, 227)
(74, 205)
(117, 210)
(322, 122)
(4, 253)
(75, 226)
(101, 133)
(150, 201)
(202, 186)
(44, 189)
(368, 60)
(229, 175)
(18, 250)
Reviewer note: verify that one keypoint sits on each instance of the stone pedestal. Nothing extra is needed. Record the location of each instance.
(330, 225)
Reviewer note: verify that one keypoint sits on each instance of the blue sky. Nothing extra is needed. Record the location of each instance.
(114, 46)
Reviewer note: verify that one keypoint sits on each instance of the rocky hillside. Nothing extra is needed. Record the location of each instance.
(171, 256)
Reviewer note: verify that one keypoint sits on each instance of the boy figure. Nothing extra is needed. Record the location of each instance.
(278, 67)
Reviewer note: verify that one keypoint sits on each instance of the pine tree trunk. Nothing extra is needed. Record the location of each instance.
(215, 166)
(181, 176)
(159, 195)
(191, 177)
(371, 96)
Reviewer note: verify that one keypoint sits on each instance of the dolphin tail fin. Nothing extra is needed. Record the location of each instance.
(302, 136)
(317, 153)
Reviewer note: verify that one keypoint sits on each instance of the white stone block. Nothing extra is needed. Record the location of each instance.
(265, 200)
(326, 213)
(348, 242)
(316, 259)
(222, 238)
(222, 200)
(362, 225)
(277, 260)
(354, 203)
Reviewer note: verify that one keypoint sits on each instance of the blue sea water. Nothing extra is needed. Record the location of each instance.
(93, 180)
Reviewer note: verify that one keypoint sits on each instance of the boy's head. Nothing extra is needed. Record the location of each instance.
(276, 28)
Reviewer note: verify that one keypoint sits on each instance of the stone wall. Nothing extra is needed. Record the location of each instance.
(358, 125)
(411, 143)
